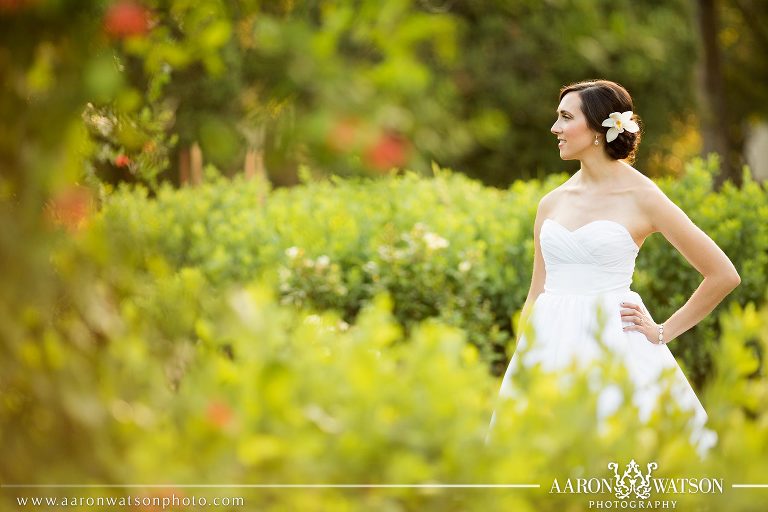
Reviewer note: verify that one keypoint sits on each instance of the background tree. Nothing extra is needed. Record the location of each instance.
(713, 114)
(347, 88)
(735, 42)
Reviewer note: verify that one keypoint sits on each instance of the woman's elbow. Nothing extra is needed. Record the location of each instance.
(732, 279)
(726, 279)
(736, 279)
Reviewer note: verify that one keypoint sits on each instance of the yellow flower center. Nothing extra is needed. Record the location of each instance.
(618, 124)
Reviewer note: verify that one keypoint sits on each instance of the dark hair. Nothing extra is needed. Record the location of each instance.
(599, 98)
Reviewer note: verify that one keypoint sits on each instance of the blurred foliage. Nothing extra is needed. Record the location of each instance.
(444, 247)
(347, 87)
(351, 88)
(46, 52)
(162, 379)
(355, 87)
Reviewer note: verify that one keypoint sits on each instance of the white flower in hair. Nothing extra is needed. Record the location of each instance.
(617, 123)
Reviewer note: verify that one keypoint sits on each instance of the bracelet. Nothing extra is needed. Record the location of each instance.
(661, 334)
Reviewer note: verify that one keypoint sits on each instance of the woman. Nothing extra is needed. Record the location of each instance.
(587, 234)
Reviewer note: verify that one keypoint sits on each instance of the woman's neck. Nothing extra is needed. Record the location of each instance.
(599, 170)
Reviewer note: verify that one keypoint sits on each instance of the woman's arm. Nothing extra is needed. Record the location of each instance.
(720, 276)
(539, 272)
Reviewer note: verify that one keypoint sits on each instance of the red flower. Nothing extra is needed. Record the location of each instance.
(126, 19)
(14, 5)
(70, 207)
(122, 161)
(344, 134)
(391, 150)
(219, 413)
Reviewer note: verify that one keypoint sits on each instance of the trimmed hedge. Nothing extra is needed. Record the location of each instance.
(444, 247)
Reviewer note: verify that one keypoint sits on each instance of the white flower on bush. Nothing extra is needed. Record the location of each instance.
(400, 254)
(322, 262)
(102, 124)
(409, 241)
(385, 252)
(464, 266)
(292, 252)
(434, 241)
(283, 273)
(371, 267)
(323, 420)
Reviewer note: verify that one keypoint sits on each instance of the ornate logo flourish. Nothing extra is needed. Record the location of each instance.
(633, 481)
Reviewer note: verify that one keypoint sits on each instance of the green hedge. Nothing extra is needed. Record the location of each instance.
(444, 247)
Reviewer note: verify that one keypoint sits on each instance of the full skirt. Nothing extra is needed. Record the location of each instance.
(571, 327)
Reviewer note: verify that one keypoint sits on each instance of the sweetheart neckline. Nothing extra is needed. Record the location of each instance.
(622, 226)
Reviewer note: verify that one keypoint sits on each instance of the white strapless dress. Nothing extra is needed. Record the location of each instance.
(589, 268)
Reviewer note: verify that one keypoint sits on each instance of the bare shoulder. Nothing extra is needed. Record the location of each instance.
(548, 203)
(641, 183)
(656, 207)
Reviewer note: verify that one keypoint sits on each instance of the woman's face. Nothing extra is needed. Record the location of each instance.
(574, 136)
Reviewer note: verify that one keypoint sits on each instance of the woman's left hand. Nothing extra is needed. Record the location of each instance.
(641, 321)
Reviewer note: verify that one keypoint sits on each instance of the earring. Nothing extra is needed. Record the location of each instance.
(597, 142)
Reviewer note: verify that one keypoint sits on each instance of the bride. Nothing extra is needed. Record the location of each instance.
(587, 234)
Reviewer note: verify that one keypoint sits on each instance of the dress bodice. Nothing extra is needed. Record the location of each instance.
(595, 258)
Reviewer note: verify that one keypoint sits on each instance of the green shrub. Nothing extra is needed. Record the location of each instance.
(444, 247)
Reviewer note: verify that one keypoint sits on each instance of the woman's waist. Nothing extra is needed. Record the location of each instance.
(583, 279)
(618, 292)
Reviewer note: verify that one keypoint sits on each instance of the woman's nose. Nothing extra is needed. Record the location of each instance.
(554, 128)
